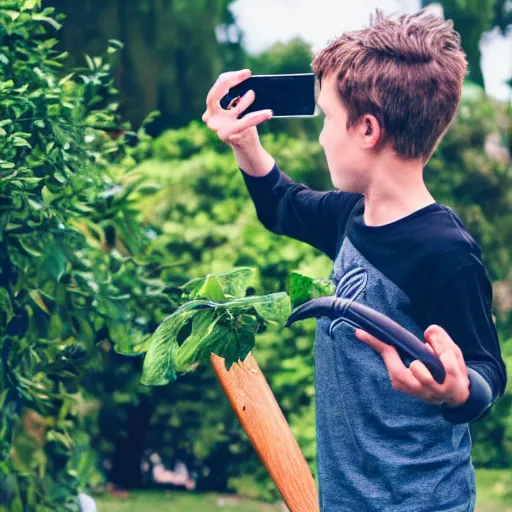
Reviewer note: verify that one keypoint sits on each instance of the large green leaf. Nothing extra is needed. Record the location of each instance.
(192, 351)
(158, 368)
(229, 338)
(273, 308)
(236, 281)
(233, 283)
(224, 328)
(211, 289)
(241, 341)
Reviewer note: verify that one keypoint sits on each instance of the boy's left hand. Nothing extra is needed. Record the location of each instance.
(417, 380)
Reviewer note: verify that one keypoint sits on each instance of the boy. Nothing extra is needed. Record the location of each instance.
(389, 437)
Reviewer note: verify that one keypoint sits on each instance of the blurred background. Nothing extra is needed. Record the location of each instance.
(114, 193)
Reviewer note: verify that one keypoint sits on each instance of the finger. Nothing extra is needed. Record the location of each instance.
(422, 374)
(401, 377)
(245, 101)
(450, 363)
(223, 83)
(221, 87)
(459, 381)
(249, 120)
(428, 346)
(460, 356)
(435, 335)
(440, 340)
(372, 341)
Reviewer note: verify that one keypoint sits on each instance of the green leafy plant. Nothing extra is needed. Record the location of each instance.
(98, 243)
(220, 320)
(75, 271)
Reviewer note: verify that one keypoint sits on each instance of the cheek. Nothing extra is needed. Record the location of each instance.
(329, 138)
(333, 143)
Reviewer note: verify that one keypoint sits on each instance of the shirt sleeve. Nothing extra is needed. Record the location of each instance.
(286, 207)
(462, 305)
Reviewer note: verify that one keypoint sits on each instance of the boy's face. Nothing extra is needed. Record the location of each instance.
(347, 155)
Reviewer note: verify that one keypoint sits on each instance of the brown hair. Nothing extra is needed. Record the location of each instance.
(406, 71)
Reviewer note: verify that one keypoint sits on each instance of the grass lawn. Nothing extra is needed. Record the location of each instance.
(492, 486)
(164, 501)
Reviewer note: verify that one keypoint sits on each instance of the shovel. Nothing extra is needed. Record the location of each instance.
(262, 419)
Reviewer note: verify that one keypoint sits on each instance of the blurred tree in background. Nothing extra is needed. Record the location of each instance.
(502, 15)
(172, 56)
(471, 19)
(175, 52)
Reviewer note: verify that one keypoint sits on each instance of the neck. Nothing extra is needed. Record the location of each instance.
(396, 190)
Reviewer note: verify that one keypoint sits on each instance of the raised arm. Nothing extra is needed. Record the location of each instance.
(282, 205)
(289, 208)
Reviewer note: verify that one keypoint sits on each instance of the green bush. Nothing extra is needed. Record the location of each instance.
(83, 271)
(203, 215)
(75, 269)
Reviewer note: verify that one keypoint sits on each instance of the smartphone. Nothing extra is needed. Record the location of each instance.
(290, 95)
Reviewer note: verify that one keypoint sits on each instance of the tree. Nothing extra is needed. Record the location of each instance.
(471, 19)
(171, 55)
(74, 267)
(502, 15)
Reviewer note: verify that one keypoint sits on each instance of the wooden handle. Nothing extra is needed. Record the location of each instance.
(262, 419)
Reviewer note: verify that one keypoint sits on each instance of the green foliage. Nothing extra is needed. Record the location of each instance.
(472, 172)
(203, 214)
(224, 323)
(74, 263)
(295, 56)
(102, 243)
(171, 57)
(502, 15)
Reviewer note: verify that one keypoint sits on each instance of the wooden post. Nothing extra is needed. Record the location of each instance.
(261, 417)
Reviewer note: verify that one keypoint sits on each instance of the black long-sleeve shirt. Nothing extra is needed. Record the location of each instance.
(429, 255)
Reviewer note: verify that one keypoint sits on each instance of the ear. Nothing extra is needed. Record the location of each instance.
(370, 131)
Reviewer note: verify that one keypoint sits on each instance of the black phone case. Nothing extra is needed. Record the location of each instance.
(286, 95)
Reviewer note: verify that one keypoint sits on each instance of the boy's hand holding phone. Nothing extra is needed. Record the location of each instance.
(238, 102)
(229, 128)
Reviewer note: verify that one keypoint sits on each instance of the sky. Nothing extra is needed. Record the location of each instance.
(265, 22)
